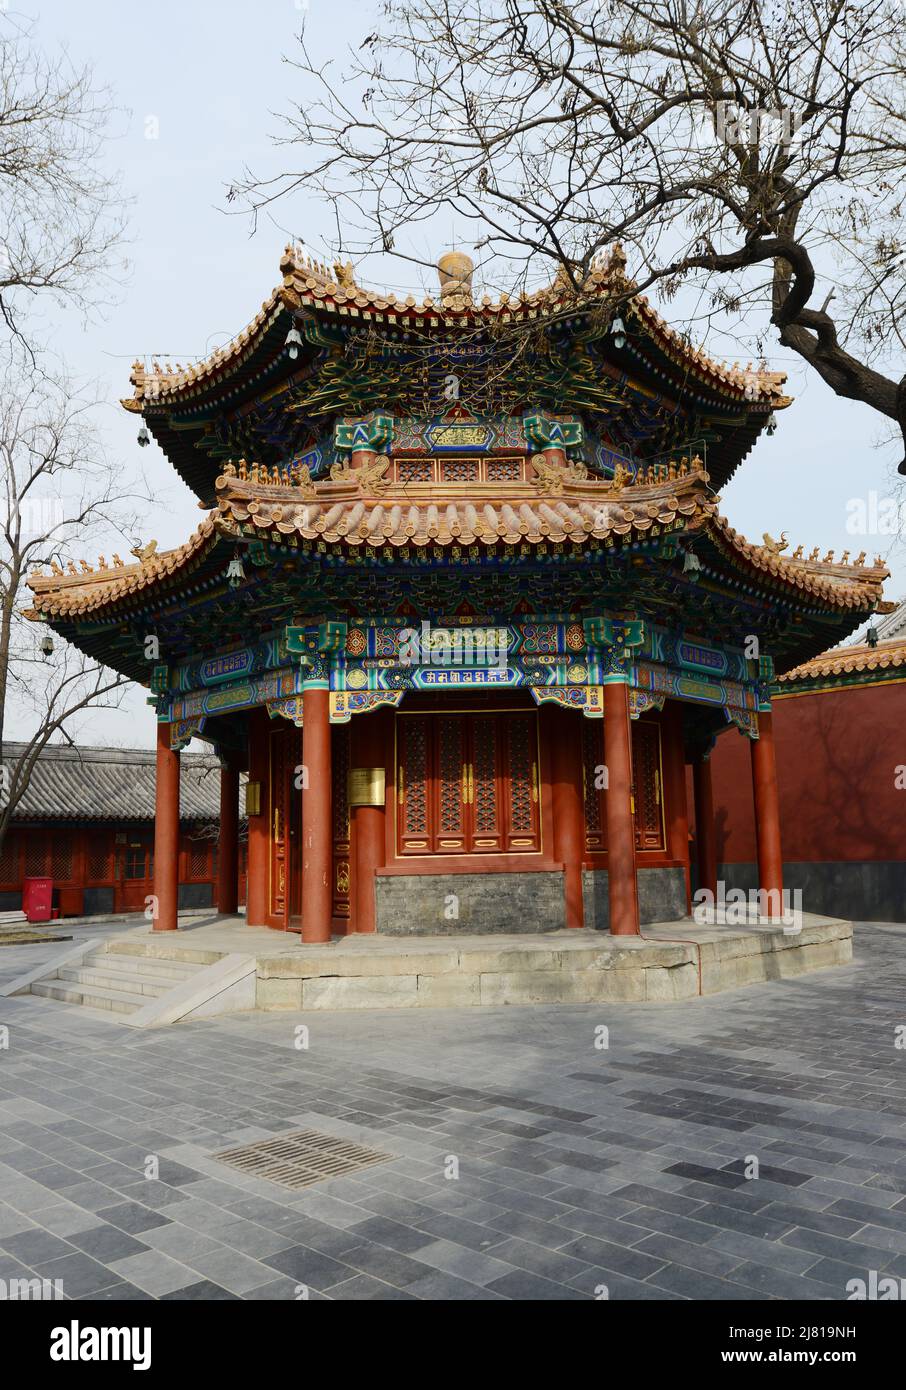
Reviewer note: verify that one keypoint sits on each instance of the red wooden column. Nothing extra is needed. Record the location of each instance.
(767, 814)
(562, 731)
(256, 904)
(675, 807)
(621, 869)
(316, 822)
(228, 841)
(368, 827)
(705, 838)
(166, 833)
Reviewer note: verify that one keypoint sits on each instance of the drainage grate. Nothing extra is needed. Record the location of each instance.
(303, 1158)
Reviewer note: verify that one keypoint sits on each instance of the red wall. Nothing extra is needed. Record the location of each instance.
(837, 754)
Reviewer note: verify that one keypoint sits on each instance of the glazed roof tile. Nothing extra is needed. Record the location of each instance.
(308, 285)
(354, 511)
(855, 660)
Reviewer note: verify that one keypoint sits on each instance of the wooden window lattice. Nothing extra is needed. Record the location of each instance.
(460, 470)
(503, 470)
(35, 856)
(97, 863)
(199, 860)
(415, 470)
(646, 770)
(9, 860)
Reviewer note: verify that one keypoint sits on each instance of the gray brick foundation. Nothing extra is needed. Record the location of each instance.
(662, 896)
(420, 904)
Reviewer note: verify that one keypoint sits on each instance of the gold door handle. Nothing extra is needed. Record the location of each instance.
(472, 784)
(535, 781)
(401, 786)
(465, 784)
(657, 788)
(277, 824)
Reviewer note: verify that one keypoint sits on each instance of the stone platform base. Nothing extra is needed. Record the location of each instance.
(672, 961)
(566, 967)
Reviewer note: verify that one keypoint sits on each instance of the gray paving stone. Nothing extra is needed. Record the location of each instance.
(522, 1285)
(79, 1275)
(132, 1217)
(363, 1287)
(36, 1246)
(623, 1171)
(607, 1255)
(228, 1268)
(155, 1273)
(106, 1243)
(308, 1267)
(471, 1265)
(685, 1253)
(441, 1287)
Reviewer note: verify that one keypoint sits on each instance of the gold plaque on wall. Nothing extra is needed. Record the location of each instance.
(365, 786)
(253, 798)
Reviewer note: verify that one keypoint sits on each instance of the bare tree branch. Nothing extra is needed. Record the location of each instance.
(747, 149)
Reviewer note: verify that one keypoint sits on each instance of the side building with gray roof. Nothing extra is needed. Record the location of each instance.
(86, 820)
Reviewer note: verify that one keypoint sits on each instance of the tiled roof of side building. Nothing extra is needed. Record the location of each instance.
(111, 784)
(861, 659)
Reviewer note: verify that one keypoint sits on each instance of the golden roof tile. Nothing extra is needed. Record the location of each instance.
(854, 660)
(307, 284)
(481, 515)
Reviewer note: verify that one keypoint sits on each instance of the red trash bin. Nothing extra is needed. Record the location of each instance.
(37, 899)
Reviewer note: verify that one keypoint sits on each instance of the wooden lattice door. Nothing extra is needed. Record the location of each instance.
(467, 784)
(648, 808)
(646, 785)
(285, 820)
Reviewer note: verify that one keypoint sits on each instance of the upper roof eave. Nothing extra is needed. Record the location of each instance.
(334, 294)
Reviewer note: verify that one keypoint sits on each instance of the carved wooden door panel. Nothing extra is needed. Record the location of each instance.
(486, 778)
(450, 788)
(522, 783)
(646, 785)
(413, 784)
(648, 808)
(467, 784)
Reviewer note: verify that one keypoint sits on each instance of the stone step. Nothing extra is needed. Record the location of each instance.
(163, 950)
(116, 980)
(163, 970)
(94, 996)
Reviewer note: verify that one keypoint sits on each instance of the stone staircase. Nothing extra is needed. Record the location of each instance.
(143, 983)
(120, 981)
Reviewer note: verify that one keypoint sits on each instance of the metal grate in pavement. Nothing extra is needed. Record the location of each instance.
(300, 1159)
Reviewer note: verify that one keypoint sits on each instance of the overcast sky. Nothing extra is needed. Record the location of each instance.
(208, 77)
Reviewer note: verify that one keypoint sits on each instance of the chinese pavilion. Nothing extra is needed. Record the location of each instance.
(462, 603)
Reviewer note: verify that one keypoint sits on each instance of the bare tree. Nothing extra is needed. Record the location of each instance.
(749, 148)
(60, 213)
(59, 492)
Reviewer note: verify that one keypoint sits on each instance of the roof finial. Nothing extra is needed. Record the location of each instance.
(455, 269)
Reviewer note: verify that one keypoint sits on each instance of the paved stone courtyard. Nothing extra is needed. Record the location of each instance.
(580, 1167)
